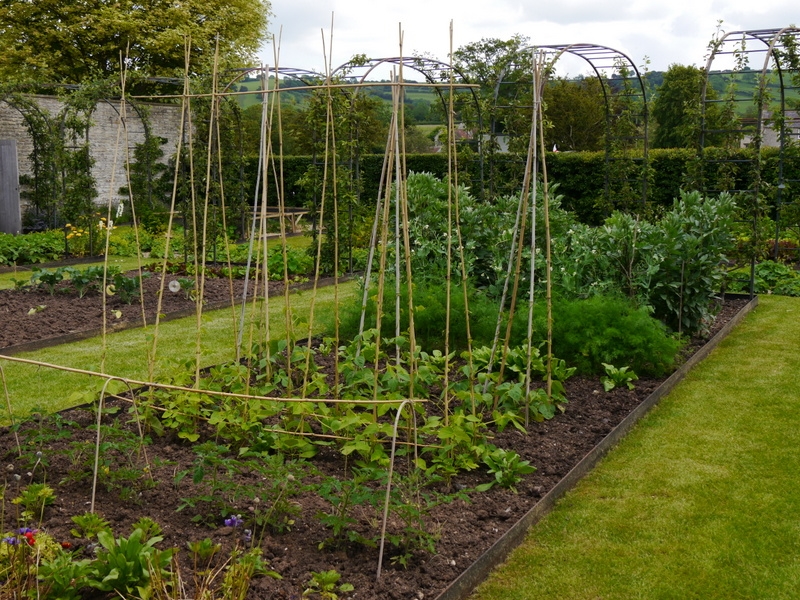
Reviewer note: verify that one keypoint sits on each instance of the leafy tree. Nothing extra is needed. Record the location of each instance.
(503, 70)
(150, 183)
(486, 61)
(576, 114)
(677, 108)
(67, 42)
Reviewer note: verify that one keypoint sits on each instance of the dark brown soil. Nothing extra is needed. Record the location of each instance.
(31, 315)
(467, 528)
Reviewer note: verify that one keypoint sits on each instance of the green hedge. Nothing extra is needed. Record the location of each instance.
(580, 175)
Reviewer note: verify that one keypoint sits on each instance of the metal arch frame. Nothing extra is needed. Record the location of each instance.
(772, 41)
(602, 58)
(428, 68)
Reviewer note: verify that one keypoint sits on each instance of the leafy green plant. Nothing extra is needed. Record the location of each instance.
(240, 572)
(33, 499)
(615, 377)
(122, 465)
(148, 526)
(123, 564)
(202, 552)
(325, 584)
(770, 278)
(48, 278)
(507, 467)
(410, 504)
(29, 248)
(602, 329)
(126, 287)
(344, 496)
(84, 280)
(63, 577)
(88, 525)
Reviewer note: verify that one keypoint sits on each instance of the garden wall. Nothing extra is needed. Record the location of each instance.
(108, 143)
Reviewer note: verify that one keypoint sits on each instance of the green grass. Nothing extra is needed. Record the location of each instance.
(700, 501)
(51, 390)
(128, 263)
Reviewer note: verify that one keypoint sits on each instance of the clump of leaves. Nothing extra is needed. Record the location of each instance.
(88, 525)
(603, 329)
(123, 565)
(507, 467)
(243, 567)
(148, 526)
(615, 377)
(344, 496)
(85, 280)
(33, 499)
(127, 288)
(325, 584)
(48, 278)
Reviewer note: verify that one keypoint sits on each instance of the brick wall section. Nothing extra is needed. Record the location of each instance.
(107, 138)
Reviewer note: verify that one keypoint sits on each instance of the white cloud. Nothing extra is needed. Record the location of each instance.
(667, 33)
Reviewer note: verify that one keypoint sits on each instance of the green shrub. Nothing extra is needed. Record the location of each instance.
(31, 247)
(586, 333)
(430, 302)
(602, 329)
(673, 265)
(123, 241)
(770, 278)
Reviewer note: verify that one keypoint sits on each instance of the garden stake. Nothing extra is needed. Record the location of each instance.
(151, 358)
(261, 151)
(97, 441)
(10, 412)
(452, 182)
(391, 471)
(548, 264)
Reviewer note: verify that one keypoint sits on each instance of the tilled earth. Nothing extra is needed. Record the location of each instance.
(32, 315)
(466, 528)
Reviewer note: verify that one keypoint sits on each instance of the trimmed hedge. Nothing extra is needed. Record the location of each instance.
(580, 175)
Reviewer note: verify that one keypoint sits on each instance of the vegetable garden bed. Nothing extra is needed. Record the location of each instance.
(289, 507)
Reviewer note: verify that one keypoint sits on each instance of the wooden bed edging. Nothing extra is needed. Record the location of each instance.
(475, 574)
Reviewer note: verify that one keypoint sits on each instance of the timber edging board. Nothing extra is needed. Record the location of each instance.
(477, 572)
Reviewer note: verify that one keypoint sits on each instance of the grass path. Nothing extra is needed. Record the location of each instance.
(51, 390)
(701, 500)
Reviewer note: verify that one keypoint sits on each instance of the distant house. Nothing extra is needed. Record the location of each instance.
(769, 135)
(462, 134)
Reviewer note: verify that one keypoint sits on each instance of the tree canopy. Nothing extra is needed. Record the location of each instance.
(576, 114)
(52, 41)
(677, 109)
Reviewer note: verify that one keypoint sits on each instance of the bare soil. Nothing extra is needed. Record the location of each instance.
(466, 528)
(33, 314)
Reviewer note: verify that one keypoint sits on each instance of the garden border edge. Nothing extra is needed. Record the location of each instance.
(478, 571)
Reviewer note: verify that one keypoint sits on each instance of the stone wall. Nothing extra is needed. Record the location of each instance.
(111, 145)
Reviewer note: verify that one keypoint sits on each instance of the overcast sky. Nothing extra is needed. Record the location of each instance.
(677, 31)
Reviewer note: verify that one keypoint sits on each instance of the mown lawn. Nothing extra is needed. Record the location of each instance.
(126, 351)
(701, 500)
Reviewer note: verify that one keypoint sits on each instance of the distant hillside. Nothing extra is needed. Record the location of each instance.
(422, 104)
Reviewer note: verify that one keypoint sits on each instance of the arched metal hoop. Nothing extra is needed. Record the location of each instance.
(618, 76)
(775, 51)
